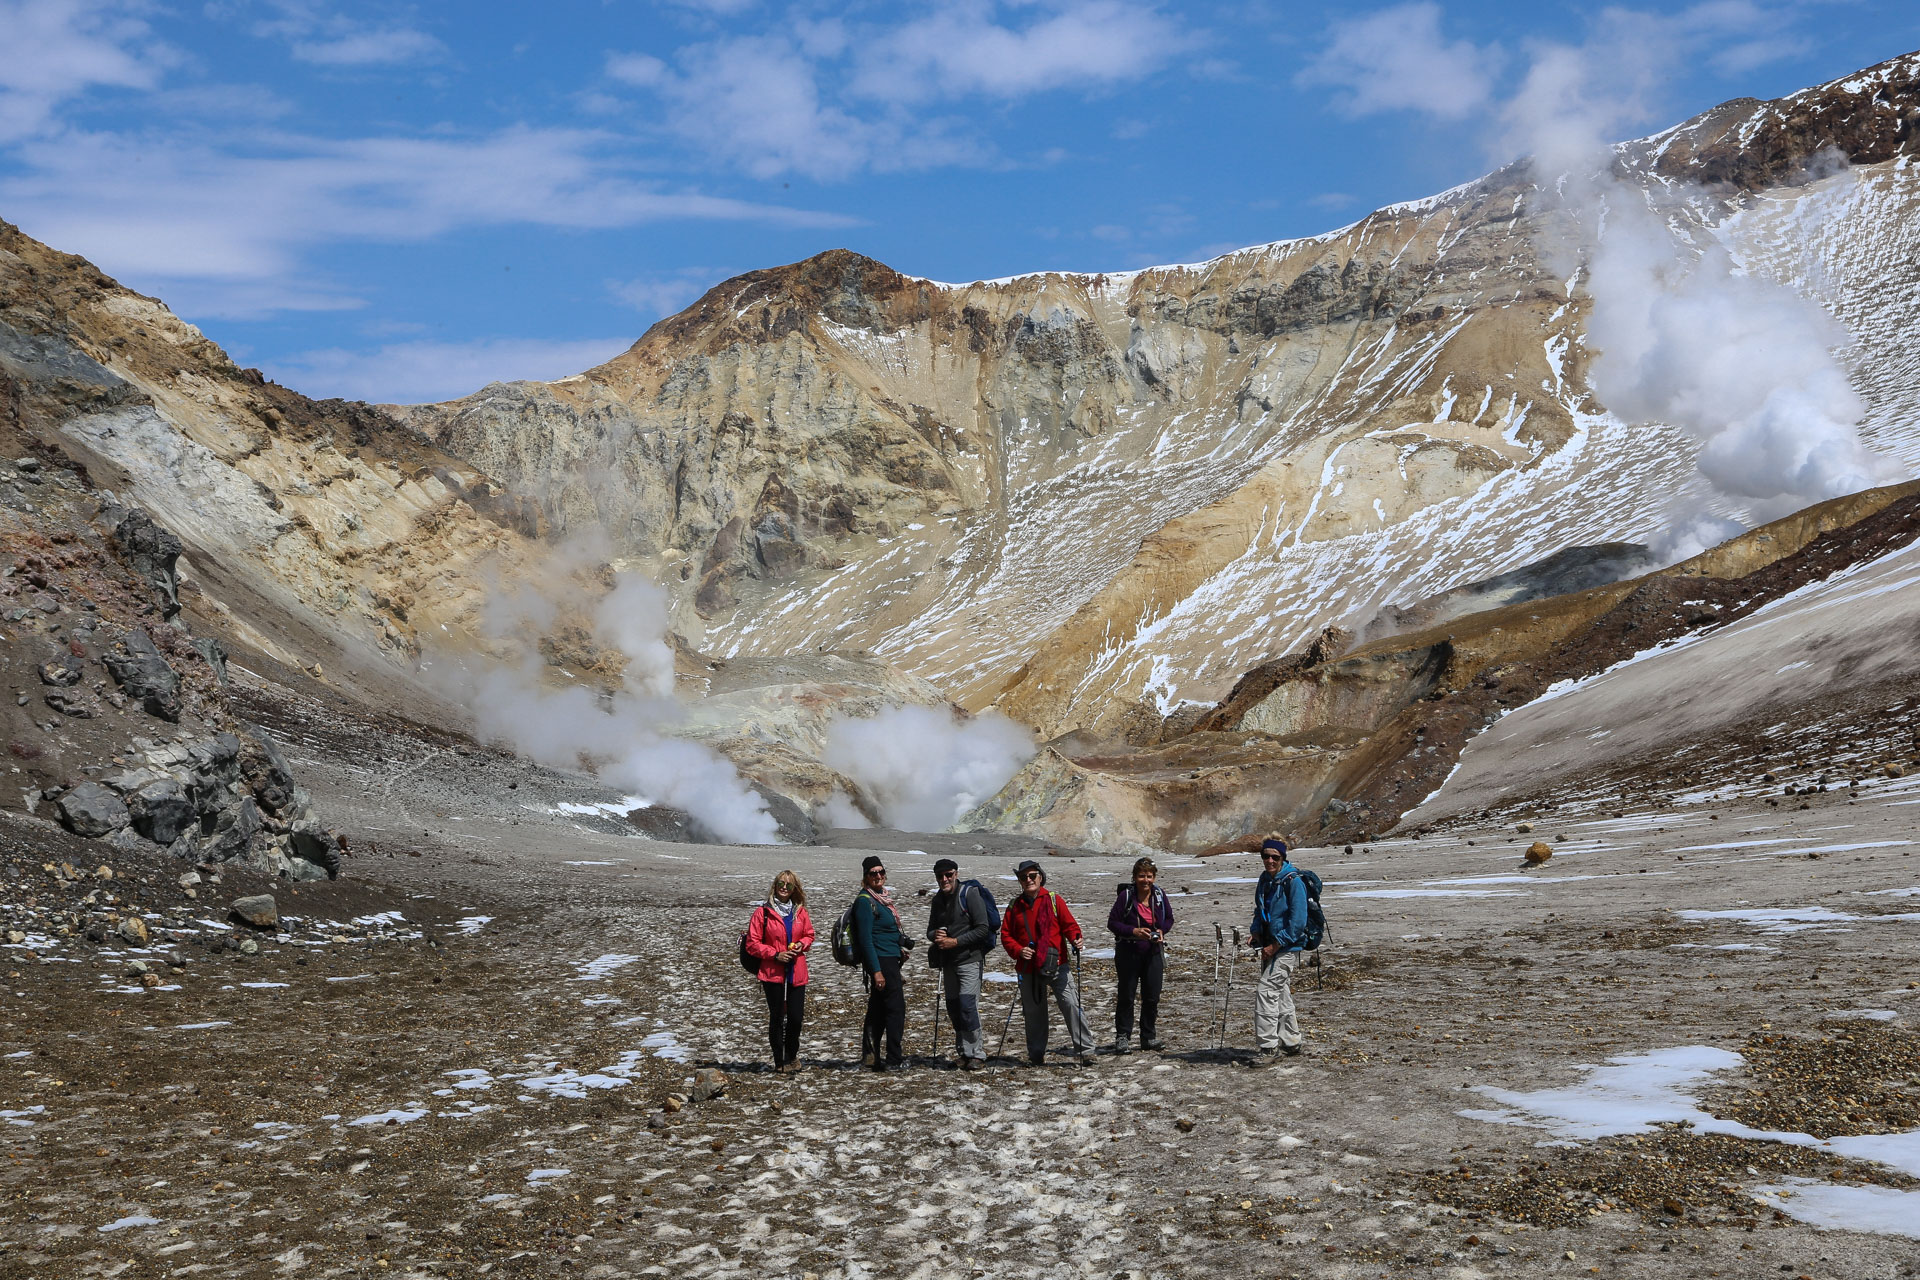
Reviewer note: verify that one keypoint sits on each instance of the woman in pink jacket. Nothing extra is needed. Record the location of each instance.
(779, 937)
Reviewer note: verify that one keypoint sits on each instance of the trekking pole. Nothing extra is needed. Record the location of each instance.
(935, 1051)
(1225, 1004)
(1219, 945)
(1005, 1026)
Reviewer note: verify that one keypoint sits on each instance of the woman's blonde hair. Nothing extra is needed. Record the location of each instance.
(799, 894)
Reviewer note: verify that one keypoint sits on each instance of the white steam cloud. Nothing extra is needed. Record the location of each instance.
(615, 737)
(925, 766)
(1683, 336)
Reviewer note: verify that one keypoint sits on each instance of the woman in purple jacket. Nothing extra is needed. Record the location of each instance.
(1140, 918)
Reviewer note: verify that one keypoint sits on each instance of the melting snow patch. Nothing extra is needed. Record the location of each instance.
(471, 924)
(132, 1220)
(1435, 893)
(593, 970)
(1785, 920)
(663, 1045)
(351, 978)
(395, 1116)
(21, 1117)
(541, 1176)
(201, 1026)
(262, 986)
(1880, 1210)
(1877, 1015)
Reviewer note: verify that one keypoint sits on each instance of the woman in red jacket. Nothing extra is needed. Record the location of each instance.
(779, 936)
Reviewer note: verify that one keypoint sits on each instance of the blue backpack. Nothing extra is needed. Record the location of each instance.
(985, 896)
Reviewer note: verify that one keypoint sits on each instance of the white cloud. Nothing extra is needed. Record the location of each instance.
(962, 50)
(55, 50)
(386, 47)
(230, 222)
(1397, 60)
(418, 372)
(829, 99)
(662, 295)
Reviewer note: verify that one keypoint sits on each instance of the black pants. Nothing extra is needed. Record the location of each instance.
(1144, 972)
(786, 1007)
(886, 1012)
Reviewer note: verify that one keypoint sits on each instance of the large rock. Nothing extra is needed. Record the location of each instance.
(153, 553)
(313, 844)
(259, 911)
(142, 673)
(233, 829)
(162, 810)
(91, 810)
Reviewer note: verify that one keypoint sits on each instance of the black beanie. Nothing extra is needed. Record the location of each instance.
(870, 862)
(945, 865)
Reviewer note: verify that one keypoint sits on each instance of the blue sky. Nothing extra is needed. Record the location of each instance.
(404, 202)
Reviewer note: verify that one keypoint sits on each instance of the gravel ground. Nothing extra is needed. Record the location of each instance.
(490, 1081)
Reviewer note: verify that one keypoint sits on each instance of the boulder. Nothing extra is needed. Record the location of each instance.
(91, 810)
(134, 930)
(232, 831)
(260, 911)
(153, 552)
(71, 702)
(314, 844)
(1538, 852)
(61, 673)
(161, 810)
(142, 673)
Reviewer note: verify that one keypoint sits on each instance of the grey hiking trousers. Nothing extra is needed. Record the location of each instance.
(962, 984)
(1274, 1024)
(1034, 989)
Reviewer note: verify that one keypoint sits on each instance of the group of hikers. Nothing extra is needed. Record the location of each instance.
(1039, 932)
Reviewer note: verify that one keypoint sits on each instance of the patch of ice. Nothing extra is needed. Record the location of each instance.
(262, 986)
(395, 1116)
(1877, 1015)
(1879, 1210)
(356, 977)
(593, 970)
(201, 1026)
(541, 1176)
(21, 1117)
(1435, 893)
(471, 924)
(131, 1220)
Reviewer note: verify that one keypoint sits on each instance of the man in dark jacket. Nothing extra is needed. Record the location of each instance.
(1279, 930)
(961, 930)
(878, 943)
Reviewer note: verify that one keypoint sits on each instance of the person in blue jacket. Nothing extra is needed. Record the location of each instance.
(1279, 931)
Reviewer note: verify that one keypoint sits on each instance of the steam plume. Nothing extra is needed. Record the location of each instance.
(925, 766)
(617, 738)
(1744, 365)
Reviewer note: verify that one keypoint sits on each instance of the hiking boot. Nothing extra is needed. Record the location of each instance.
(970, 1064)
(1152, 1042)
(868, 1059)
(1084, 1059)
(1124, 1045)
(1293, 1050)
(790, 1066)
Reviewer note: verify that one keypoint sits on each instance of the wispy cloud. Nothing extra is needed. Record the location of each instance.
(378, 48)
(232, 221)
(321, 35)
(54, 50)
(662, 295)
(420, 372)
(1397, 60)
(831, 99)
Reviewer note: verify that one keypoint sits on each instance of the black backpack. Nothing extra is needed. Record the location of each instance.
(842, 939)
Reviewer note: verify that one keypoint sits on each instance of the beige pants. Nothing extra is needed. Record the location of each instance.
(1274, 1023)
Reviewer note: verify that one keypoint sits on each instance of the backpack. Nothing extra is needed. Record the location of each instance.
(1316, 918)
(747, 961)
(984, 895)
(843, 952)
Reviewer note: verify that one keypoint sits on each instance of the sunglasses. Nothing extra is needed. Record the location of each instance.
(946, 875)
(1273, 857)
(1031, 875)
(878, 871)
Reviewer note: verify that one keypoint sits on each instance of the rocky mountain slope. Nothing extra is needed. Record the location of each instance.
(1087, 499)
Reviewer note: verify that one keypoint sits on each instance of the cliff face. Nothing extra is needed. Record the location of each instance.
(1088, 499)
